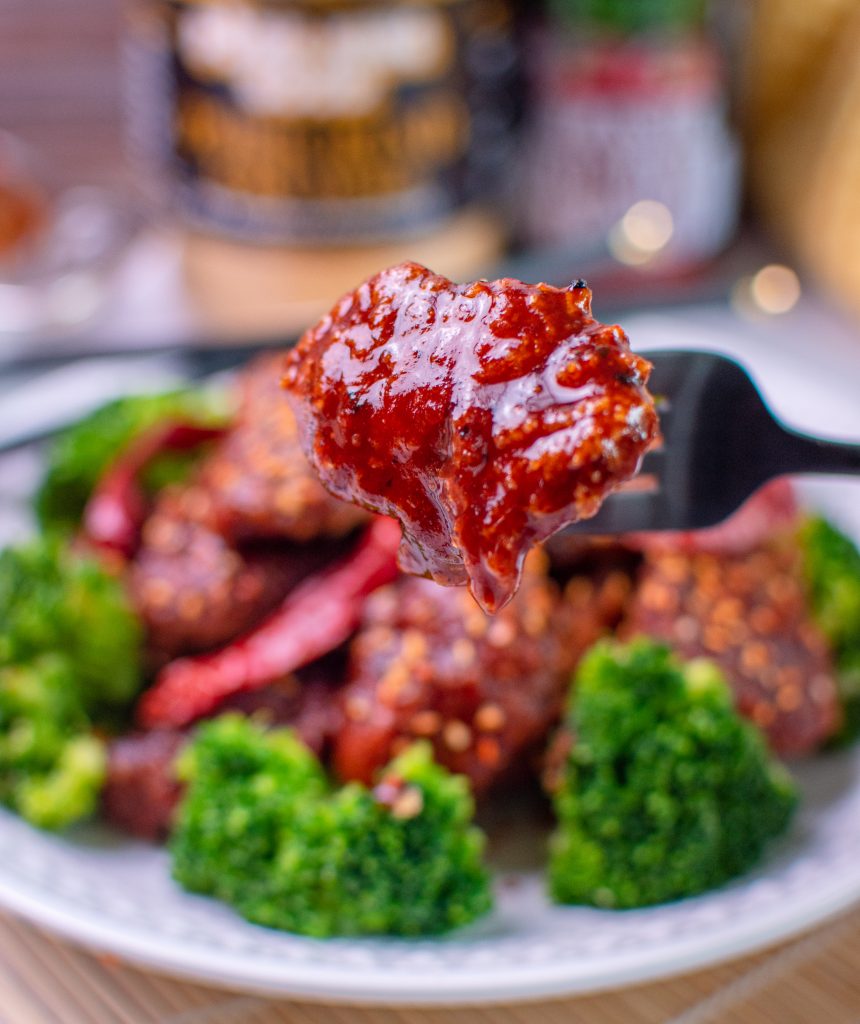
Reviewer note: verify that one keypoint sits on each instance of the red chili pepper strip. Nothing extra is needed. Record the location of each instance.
(316, 617)
(117, 507)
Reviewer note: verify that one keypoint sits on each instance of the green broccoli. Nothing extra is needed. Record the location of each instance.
(260, 828)
(51, 766)
(69, 657)
(832, 567)
(666, 791)
(54, 601)
(81, 454)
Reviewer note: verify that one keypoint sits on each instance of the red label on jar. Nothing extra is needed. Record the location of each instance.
(613, 126)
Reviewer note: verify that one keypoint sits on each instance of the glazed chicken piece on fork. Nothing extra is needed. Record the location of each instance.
(483, 417)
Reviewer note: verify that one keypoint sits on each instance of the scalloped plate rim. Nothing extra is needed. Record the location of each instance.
(317, 982)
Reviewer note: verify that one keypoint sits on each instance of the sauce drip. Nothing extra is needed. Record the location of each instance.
(483, 417)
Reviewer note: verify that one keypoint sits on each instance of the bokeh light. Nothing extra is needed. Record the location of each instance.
(771, 291)
(642, 233)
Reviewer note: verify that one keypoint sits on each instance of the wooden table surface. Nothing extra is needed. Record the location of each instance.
(813, 980)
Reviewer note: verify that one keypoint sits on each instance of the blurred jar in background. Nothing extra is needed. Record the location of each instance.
(307, 143)
(629, 146)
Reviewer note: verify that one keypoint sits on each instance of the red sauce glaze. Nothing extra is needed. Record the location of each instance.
(484, 417)
(749, 614)
(258, 479)
(428, 664)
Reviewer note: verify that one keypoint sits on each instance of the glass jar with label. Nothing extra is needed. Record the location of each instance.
(629, 128)
(332, 131)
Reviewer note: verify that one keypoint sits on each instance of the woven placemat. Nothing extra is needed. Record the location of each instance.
(814, 980)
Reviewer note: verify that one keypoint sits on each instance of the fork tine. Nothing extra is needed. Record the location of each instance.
(625, 512)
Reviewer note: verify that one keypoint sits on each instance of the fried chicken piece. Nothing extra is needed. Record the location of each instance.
(749, 614)
(484, 417)
(258, 478)
(192, 589)
(141, 790)
(429, 663)
(305, 700)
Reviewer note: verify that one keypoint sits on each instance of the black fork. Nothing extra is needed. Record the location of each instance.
(720, 444)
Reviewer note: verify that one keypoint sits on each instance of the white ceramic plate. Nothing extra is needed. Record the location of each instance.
(117, 896)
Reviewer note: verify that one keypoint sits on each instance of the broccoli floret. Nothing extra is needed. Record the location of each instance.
(52, 600)
(243, 786)
(666, 792)
(80, 455)
(832, 567)
(69, 657)
(260, 828)
(51, 766)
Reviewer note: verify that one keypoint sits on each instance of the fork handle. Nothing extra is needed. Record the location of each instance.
(805, 454)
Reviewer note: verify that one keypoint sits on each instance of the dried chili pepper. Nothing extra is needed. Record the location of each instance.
(117, 508)
(316, 617)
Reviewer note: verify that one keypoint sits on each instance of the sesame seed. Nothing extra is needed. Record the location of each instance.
(413, 646)
(763, 620)
(392, 683)
(501, 633)
(157, 593)
(739, 579)
(378, 638)
(488, 750)
(163, 535)
(821, 688)
(781, 589)
(489, 718)
(286, 502)
(534, 622)
(476, 625)
(190, 607)
(810, 638)
(687, 629)
(790, 675)
(739, 632)
(383, 603)
(617, 587)
(425, 723)
(409, 804)
(675, 568)
(763, 715)
(715, 639)
(754, 657)
(358, 709)
(579, 591)
(463, 652)
(769, 678)
(727, 610)
(789, 698)
(457, 736)
(656, 596)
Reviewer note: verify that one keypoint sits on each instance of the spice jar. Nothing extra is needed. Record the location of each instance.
(329, 135)
(629, 141)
